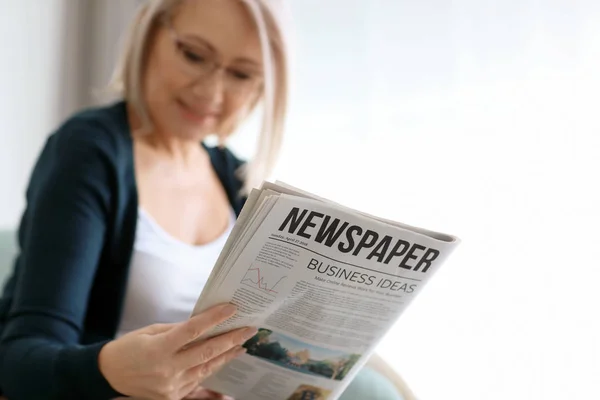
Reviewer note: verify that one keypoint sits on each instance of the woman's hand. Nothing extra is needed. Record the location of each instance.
(204, 394)
(153, 364)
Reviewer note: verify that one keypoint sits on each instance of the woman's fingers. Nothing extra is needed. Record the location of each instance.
(153, 362)
(204, 394)
(202, 371)
(191, 329)
(157, 329)
(216, 364)
(212, 348)
(188, 391)
(194, 376)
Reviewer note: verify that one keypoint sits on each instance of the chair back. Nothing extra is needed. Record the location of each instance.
(8, 251)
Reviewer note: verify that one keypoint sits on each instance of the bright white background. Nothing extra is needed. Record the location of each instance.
(30, 50)
(480, 119)
(473, 117)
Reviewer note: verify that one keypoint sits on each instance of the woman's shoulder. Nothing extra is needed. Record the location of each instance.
(100, 126)
(93, 145)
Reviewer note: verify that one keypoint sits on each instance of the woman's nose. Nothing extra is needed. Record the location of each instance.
(211, 87)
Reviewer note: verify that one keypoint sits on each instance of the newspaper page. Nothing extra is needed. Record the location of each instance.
(322, 283)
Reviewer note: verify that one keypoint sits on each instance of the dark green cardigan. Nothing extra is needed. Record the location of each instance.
(64, 299)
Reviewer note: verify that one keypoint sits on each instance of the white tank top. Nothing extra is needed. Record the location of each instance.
(166, 275)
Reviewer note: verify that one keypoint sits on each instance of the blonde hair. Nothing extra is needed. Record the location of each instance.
(270, 19)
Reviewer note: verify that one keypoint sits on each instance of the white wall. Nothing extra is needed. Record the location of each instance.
(478, 118)
(31, 39)
(55, 53)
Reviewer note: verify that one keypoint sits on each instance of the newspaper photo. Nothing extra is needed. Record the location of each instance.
(321, 282)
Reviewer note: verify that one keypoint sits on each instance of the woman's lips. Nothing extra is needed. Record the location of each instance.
(197, 116)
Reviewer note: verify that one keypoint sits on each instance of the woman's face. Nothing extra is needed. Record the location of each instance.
(204, 69)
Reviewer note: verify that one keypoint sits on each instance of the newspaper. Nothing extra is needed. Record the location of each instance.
(323, 284)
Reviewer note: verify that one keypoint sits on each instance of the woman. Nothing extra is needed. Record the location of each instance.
(126, 212)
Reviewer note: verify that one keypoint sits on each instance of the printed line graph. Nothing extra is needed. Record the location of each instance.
(263, 279)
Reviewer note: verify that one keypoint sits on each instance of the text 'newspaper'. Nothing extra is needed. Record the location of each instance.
(322, 283)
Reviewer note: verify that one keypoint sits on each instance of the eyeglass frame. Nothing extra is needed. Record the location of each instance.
(214, 63)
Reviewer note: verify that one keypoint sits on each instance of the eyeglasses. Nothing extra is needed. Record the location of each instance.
(200, 62)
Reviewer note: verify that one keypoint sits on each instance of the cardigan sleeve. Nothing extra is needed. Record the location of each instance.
(61, 235)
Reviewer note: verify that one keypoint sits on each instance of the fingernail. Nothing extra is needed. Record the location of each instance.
(228, 309)
(249, 333)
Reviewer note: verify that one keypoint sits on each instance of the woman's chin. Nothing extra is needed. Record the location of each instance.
(200, 121)
(196, 133)
(197, 129)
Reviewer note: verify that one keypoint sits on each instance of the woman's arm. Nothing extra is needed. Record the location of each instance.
(61, 237)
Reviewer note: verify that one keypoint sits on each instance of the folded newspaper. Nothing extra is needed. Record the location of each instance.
(323, 284)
